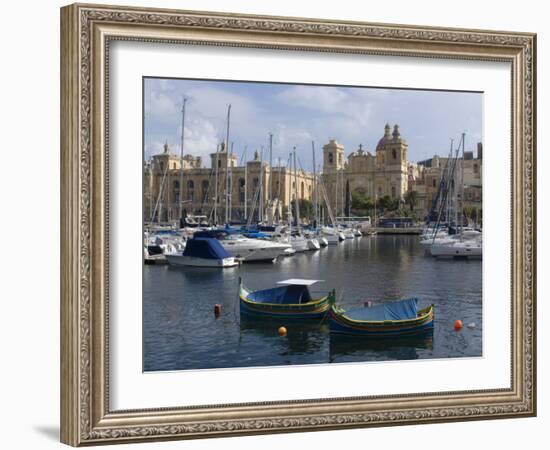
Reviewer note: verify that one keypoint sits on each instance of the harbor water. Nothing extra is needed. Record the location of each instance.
(181, 331)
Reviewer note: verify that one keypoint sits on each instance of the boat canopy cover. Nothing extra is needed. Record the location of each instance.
(299, 281)
(281, 295)
(218, 234)
(207, 248)
(399, 310)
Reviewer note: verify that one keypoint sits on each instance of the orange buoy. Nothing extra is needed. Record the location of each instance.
(458, 325)
(217, 309)
(282, 331)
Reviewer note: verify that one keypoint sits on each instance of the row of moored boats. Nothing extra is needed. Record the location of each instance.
(227, 247)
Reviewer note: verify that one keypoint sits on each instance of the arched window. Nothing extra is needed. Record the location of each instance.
(394, 154)
(205, 186)
(242, 186)
(174, 166)
(393, 191)
(330, 158)
(190, 190)
(433, 182)
(162, 166)
(176, 191)
(476, 169)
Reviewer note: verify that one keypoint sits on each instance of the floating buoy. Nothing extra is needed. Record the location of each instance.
(217, 309)
(368, 304)
(471, 325)
(282, 331)
(458, 325)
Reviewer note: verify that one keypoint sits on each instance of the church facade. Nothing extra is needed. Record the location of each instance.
(384, 173)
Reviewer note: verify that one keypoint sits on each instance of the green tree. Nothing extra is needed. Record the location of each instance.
(306, 210)
(411, 199)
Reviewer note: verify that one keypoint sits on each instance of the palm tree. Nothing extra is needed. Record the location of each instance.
(411, 198)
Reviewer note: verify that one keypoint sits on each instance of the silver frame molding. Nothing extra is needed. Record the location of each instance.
(86, 33)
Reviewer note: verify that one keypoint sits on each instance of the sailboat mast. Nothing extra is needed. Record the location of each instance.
(227, 185)
(216, 185)
(261, 189)
(315, 201)
(270, 182)
(296, 192)
(462, 186)
(180, 211)
(245, 183)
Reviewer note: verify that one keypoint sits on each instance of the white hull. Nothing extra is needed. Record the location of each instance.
(332, 239)
(181, 260)
(254, 249)
(457, 250)
(322, 241)
(299, 243)
(313, 244)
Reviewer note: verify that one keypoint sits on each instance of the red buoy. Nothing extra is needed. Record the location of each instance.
(458, 325)
(217, 309)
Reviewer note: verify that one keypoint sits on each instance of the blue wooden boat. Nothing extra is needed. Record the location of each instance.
(291, 299)
(392, 319)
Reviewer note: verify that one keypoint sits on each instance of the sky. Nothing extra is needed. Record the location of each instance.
(298, 114)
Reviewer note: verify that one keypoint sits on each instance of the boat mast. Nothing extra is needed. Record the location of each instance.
(279, 187)
(227, 181)
(462, 186)
(245, 182)
(261, 202)
(216, 184)
(231, 186)
(315, 200)
(180, 211)
(270, 182)
(297, 203)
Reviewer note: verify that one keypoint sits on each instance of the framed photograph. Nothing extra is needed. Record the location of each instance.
(276, 224)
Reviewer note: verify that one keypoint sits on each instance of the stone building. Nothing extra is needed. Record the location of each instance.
(384, 173)
(162, 190)
(431, 171)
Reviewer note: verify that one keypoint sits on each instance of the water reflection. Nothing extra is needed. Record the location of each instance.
(181, 331)
(347, 348)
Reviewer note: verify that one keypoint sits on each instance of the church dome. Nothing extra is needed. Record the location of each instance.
(386, 138)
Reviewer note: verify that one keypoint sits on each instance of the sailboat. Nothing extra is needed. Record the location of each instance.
(459, 244)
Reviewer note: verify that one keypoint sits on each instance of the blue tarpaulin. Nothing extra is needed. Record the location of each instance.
(399, 310)
(291, 294)
(207, 248)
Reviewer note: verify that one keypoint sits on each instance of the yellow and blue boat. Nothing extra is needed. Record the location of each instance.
(399, 318)
(291, 299)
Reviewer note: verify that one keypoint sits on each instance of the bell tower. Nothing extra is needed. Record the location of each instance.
(333, 156)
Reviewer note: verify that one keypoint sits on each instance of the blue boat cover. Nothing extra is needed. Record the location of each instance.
(218, 234)
(207, 248)
(399, 310)
(281, 295)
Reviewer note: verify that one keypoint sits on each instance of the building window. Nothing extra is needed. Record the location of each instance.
(219, 163)
(330, 158)
(394, 154)
(162, 166)
(174, 166)
(176, 191)
(476, 169)
(433, 182)
(205, 186)
(190, 190)
(242, 186)
(302, 190)
(393, 191)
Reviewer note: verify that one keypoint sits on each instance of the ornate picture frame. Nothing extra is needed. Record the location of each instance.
(87, 32)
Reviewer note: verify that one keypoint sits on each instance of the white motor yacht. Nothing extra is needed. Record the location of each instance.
(248, 249)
